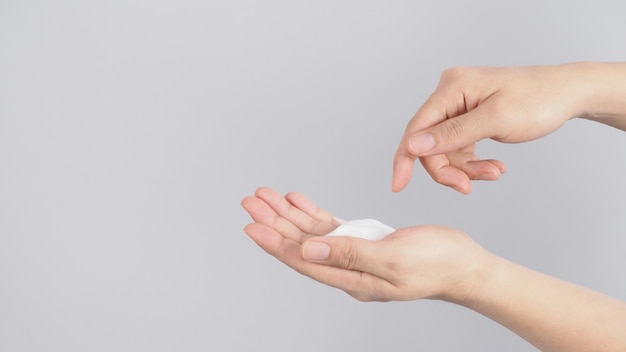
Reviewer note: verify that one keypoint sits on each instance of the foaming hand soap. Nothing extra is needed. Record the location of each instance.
(368, 229)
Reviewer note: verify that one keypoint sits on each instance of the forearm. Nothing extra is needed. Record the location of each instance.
(606, 92)
(551, 314)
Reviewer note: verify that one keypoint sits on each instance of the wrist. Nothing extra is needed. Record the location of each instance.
(477, 279)
(605, 89)
(468, 285)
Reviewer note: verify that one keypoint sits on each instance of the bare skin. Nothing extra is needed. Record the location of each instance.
(435, 262)
(506, 104)
(510, 105)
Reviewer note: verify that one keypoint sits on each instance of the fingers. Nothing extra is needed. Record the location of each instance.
(275, 228)
(485, 170)
(457, 169)
(265, 237)
(444, 124)
(439, 168)
(454, 169)
(303, 203)
(303, 213)
(269, 208)
(361, 285)
(357, 266)
(348, 253)
(428, 115)
(452, 134)
(403, 166)
(263, 214)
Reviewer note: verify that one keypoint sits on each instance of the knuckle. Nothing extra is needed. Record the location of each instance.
(453, 73)
(452, 129)
(349, 257)
(434, 170)
(313, 226)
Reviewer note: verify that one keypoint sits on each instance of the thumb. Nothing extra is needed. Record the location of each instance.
(451, 134)
(345, 252)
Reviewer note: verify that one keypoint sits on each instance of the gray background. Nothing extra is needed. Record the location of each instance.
(130, 131)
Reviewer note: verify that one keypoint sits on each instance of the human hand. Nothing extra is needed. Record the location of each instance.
(438, 263)
(506, 104)
(412, 263)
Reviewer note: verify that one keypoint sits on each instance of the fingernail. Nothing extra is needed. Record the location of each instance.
(314, 250)
(422, 143)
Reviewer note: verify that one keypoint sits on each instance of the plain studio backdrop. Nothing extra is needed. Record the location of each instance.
(131, 130)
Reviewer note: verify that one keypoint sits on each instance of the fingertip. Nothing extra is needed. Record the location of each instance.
(402, 173)
(465, 188)
(500, 165)
(488, 176)
(264, 192)
(497, 166)
(259, 190)
(397, 185)
(483, 170)
(248, 203)
(259, 210)
(252, 230)
(301, 202)
(454, 178)
(295, 198)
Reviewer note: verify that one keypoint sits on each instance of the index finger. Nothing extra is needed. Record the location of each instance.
(430, 114)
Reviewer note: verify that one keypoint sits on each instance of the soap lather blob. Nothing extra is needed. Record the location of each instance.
(369, 229)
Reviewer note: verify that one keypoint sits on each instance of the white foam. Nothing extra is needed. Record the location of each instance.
(368, 229)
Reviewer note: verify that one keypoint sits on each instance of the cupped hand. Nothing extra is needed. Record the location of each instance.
(506, 104)
(412, 263)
